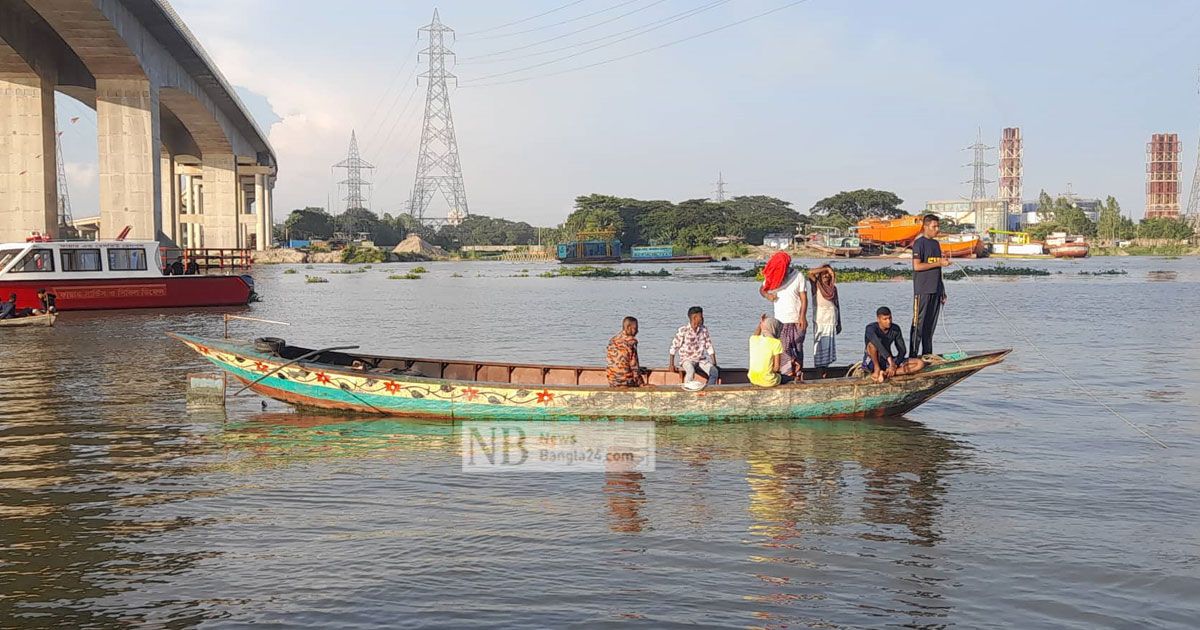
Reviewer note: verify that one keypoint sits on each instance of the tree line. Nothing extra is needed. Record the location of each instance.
(700, 222)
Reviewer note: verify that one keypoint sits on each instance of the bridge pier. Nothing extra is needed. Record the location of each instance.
(219, 192)
(127, 123)
(170, 198)
(28, 188)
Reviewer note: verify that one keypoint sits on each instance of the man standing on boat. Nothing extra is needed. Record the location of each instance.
(624, 369)
(694, 346)
(929, 293)
(791, 310)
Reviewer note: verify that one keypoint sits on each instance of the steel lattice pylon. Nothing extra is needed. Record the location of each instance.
(65, 221)
(438, 167)
(979, 165)
(354, 183)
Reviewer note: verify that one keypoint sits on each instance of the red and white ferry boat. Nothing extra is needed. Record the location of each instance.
(99, 275)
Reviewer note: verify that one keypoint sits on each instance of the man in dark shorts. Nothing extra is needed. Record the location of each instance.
(929, 293)
(884, 354)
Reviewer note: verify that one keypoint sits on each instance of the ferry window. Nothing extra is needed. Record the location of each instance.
(81, 260)
(36, 261)
(6, 256)
(126, 259)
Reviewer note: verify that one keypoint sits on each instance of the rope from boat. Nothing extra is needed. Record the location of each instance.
(946, 326)
(1054, 365)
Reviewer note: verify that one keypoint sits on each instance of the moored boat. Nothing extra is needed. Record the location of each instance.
(960, 245)
(1062, 245)
(458, 389)
(901, 231)
(834, 245)
(46, 319)
(99, 275)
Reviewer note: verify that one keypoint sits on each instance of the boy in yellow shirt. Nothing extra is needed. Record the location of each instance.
(765, 353)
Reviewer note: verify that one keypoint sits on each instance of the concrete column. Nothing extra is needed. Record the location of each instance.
(269, 214)
(195, 231)
(260, 210)
(127, 121)
(219, 201)
(28, 188)
(170, 198)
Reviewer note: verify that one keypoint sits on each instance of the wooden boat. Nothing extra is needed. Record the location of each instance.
(960, 245)
(840, 246)
(902, 231)
(451, 390)
(29, 320)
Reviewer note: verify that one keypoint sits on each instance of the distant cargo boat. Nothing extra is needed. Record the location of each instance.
(102, 275)
(902, 231)
(834, 245)
(1062, 245)
(661, 254)
(1006, 244)
(591, 247)
(960, 245)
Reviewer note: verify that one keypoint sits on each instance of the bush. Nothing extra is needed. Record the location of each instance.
(357, 255)
(290, 271)
(419, 270)
(315, 279)
(407, 276)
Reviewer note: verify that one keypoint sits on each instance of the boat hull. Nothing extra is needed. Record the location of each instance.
(31, 320)
(670, 259)
(343, 389)
(960, 249)
(902, 231)
(111, 293)
(1070, 250)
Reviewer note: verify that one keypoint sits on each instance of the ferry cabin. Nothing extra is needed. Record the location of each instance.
(79, 260)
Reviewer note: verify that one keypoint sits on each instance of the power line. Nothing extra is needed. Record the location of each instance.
(676, 18)
(562, 22)
(376, 146)
(636, 53)
(392, 84)
(671, 19)
(523, 20)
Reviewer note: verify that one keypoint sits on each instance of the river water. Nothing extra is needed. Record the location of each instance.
(1012, 499)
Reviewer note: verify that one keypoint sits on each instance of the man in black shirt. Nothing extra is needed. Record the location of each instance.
(929, 294)
(880, 358)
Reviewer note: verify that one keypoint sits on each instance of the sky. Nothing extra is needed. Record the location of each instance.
(819, 97)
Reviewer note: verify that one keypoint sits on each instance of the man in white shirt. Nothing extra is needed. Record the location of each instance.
(791, 309)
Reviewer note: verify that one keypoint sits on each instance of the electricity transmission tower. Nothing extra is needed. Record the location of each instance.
(354, 183)
(438, 168)
(980, 165)
(720, 187)
(1193, 205)
(355, 199)
(65, 221)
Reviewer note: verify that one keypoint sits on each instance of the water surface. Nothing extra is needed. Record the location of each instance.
(1011, 499)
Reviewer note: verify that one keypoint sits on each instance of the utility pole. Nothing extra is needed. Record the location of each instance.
(438, 167)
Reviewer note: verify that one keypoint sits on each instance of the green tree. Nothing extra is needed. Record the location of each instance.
(850, 207)
(754, 217)
(310, 222)
(1164, 228)
(1111, 225)
(1045, 209)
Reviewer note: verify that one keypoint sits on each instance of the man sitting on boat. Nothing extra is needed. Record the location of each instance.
(46, 303)
(885, 352)
(694, 346)
(624, 369)
(766, 354)
(8, 308)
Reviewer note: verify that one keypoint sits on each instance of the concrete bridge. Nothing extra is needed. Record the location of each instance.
(181, 160)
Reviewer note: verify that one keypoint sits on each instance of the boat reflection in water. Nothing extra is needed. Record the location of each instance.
(823, 506)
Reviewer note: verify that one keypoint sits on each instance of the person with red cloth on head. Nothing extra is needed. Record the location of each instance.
(787, 289)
